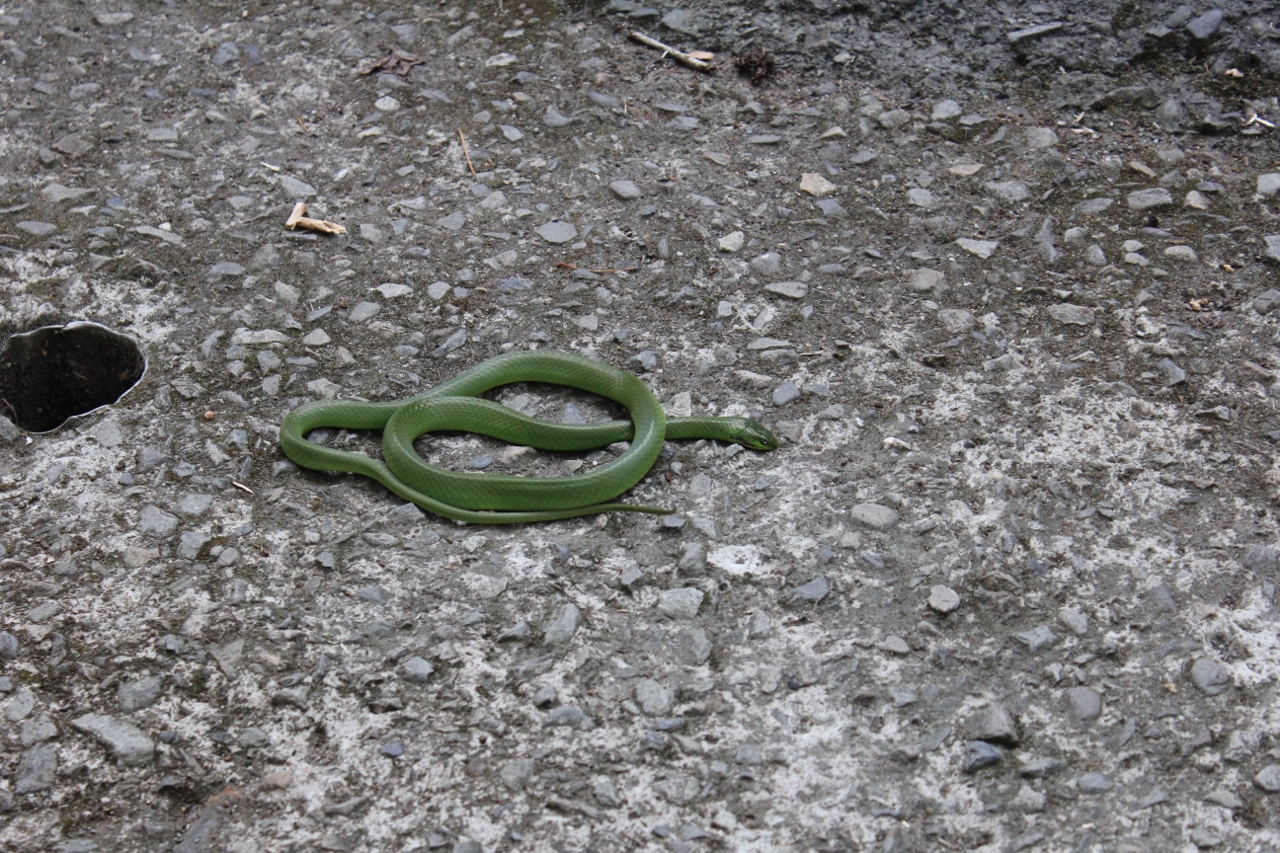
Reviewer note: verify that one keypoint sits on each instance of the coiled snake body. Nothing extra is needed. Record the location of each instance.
(500, 498)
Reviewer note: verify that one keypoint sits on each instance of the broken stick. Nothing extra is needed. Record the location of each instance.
(668, 50)
(298, 219)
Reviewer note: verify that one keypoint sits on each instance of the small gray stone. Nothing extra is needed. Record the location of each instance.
(373, 593)
(139, 693)
(771, 262)
(785, 393)
(71, 144)
(980, 754)
(1041, 137)
(943, 599)
(562, 625)
(557, 231)
(925, 280)
(790, 289)
(1173, 374)
(994, 724)
(128, 743)
(1148, 199)
(1085, 705)
(682, 603)
(957, 321)
(295, 188)
(1269, 184)
(1211, 677)
(920, 197)
(1206, 25)
(113, 19)
(224, 269)
(946, 111)
(1261, 558)
(654, 699)
(417, 670)
(895, 645)
(1009, 191)
(1040, 637)
(876, 516)
(811, 592)
(154, 521)
(554, 118)
(1093, 783)
(1076, 622)
(252, 737)
(693, 647)
(363, 311)
(9, 646)
(732, 242)
(35, 228)
(982, 248)
(1273, 247)
(567, 716)
(453, 222)
(625, 190)
(37, 769)
(1268, 779)
(1269, 300)
(58, 193)
(226, 53)
(1034, 32)
(890, 119)
(1094, 206)
(1074, 315)
(190, 543)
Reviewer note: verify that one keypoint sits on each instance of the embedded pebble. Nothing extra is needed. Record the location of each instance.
(1073, 315)
(557, 231)
(979, 755)
(1149, 198)
(785, 393)
(994, 723)
(876, 516)
(789, 289)
(810, 593)
(682, 603)
(1268, 778)
(1085, 704)
(1210, 676)
(1093, 783)
(943, 599)
(562, 625)
(732, 242)
(982, 248)
(363, 311)
(816, 185)
(35, 228)
(128, 743)
(625, 190)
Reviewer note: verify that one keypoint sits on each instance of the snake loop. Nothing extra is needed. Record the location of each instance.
(500, 498)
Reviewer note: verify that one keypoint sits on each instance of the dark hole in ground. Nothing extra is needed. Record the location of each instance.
(57, 372)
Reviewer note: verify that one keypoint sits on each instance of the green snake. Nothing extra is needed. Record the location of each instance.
(500, 498)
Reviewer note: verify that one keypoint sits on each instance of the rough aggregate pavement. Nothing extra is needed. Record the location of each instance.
(1004, 278)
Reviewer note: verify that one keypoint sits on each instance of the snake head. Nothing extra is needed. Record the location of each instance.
(754, 435)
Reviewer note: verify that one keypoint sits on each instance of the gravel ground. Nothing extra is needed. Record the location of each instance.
(1003, 278)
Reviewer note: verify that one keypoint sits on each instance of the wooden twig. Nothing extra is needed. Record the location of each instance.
(667, 50)
(298, 219)
(466, 153)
